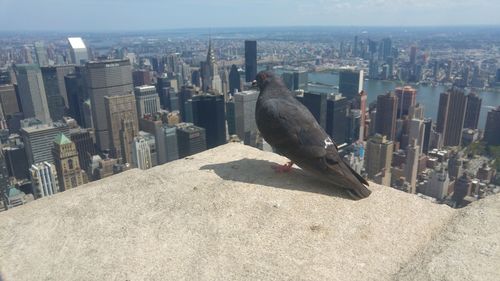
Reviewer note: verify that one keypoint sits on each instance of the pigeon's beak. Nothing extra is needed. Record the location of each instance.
(254, 83)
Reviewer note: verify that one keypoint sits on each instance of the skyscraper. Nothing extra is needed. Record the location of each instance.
(141, 77)
(413, 55)
(316, 103)
(55, 89)
(407, 97)
(350, 83)
(8, 100)
(106, 78)
(378, 157)
(250, 60)
(244, 109)
(492, 128)
(17, 163)
(77, 95)
(32, 92)
(295, 80)
(78, 51)
(141, 154)
(234, 80)
(387, 48)
(411, 167)
(84, 143)
(427, 135)
(190, 139)
(172, 147)
(186, 93)
(44, 179)
(211, 80)
(336, 118)
(472, 111)
(451, 116)
(208, 113)
(41, 54)
(147, 100)
(123, 125)
(67, 165)
(39, 140)
(385, 123)
(153, 125)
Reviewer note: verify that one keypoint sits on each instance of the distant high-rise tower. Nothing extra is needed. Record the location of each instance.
(378, 157)
(55, 89)
(123, 125)
(141, 154)
(8, 100)
(492, 129)
(362, 108)
(295, 80)
(316, 103)
(250, 60)
(38, 141)
(77, 96)
(41, 54)
(106, 78)
(451, 116)
(350, 83)
(387, 48)
(84, 143)
(407, 97)
(472, 111)
(44, 179)
(211, 80)
(234, 80)
(385, 123)
(32, 92)
(186, 93)
(336, 118)
(413, 55)
(208, 113)
(147, 100)
(171, 145)
(191, 139)
(411, 167)
(68, 168)
(244, 109)
(141, 77)
(78, 51)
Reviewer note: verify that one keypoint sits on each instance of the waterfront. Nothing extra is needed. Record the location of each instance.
(427, 95)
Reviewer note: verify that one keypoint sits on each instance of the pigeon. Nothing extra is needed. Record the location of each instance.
(291, 129)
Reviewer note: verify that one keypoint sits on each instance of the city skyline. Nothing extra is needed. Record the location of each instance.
(58, 15)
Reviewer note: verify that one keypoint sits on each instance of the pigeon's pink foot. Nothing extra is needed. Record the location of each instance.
(285, 168)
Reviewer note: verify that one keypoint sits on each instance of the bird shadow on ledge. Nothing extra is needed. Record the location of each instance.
(255, 171)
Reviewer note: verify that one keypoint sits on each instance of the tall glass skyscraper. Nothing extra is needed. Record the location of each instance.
(250, 60)
(106, 78)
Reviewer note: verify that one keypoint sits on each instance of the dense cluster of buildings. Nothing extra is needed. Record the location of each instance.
(70, 115)
(88, 118)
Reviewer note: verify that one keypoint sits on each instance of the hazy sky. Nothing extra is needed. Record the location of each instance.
(106, 15)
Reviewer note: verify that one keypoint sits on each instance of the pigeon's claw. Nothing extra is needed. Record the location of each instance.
(285, 168)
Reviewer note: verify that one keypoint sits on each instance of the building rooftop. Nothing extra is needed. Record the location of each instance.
(225, 215)
(62, 139)
(76, 43)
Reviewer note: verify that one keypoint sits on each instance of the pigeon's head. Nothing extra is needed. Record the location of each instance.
(263, 78)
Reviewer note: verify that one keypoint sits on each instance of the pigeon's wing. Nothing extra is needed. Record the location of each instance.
(291, 128)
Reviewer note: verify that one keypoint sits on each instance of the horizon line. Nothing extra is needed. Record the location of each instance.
(214, 29)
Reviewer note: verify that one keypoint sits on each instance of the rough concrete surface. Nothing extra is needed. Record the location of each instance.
(468, 248)
(224, 215)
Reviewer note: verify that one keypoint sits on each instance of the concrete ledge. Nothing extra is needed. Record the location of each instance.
(219, 215)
